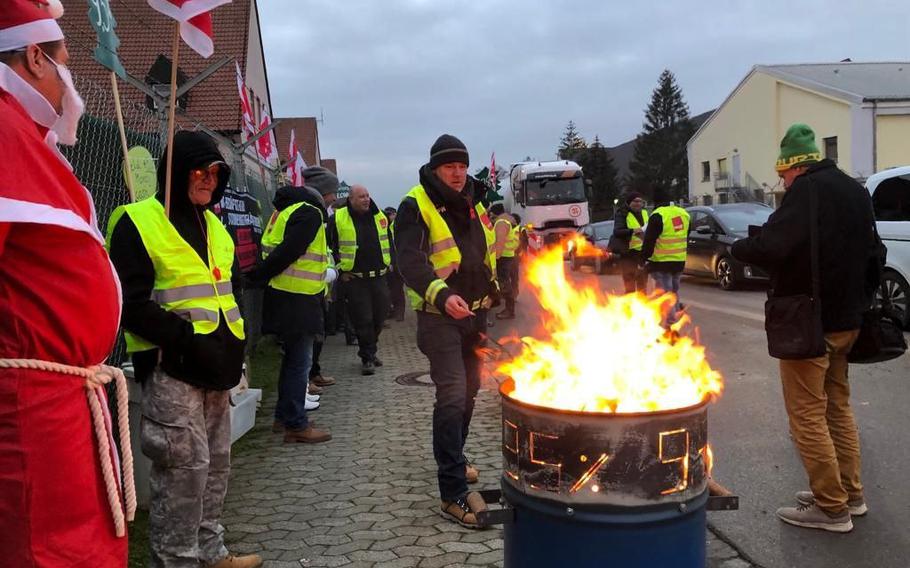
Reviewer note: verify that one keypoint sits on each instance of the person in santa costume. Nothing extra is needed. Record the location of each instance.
(60, 305)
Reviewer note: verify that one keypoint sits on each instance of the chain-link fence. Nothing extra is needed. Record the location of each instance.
(97, 160)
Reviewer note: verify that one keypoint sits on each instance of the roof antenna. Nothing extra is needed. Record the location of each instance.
(321, 119)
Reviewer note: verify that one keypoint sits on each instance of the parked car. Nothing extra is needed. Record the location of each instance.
(890, 191)
(712, 232)
(598, 234)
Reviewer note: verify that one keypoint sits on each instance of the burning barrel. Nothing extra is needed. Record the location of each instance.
(604, 489)
(604, 431)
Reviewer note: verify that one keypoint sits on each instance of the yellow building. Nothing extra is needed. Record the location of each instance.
(860, 113)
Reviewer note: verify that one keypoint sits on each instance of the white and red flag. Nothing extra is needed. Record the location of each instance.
(268, 148)
(248, 129)
(296, 165)
(493, 170)
(195, 21)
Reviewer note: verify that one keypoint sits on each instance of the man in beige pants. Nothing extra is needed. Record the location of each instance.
(816, 390)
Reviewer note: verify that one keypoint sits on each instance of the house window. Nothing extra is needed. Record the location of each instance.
(831, 148)
(722, 168)
(709, 200)
(723, 198)
(706, 171)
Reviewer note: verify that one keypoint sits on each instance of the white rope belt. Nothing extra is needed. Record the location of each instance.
(101, 375)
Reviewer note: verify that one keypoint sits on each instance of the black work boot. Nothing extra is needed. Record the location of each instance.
(367, 368)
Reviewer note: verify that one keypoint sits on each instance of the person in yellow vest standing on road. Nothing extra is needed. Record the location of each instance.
(628, 237)
(506, 247)
(296, 267)
(664, 246)
(180, 280)
(445, 254)
(360, 238)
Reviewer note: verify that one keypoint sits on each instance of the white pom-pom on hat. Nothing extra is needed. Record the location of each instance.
(55, 8)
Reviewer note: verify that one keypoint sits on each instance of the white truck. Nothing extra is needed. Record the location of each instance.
(551, 199)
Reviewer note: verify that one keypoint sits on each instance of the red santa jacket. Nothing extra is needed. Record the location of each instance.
(59, 295)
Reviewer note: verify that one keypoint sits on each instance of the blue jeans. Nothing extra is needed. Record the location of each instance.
(292, 381)
(668, 282)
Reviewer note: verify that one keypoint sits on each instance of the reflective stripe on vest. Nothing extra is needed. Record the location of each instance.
(444, 254)
(671, 244)
(306, 275)
(347, 238)
(636, 241)
(183, 283)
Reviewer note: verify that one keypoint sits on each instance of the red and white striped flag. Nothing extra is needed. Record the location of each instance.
(493, 170)
(248, 129)
(195, 21)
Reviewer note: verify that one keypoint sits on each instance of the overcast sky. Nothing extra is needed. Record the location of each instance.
(507, 75)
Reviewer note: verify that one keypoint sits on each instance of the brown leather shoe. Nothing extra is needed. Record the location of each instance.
(278, 427)
(464, 510)
(321, 381)
(308, 435)
(313, 389)
(471, 473)
(231, 561)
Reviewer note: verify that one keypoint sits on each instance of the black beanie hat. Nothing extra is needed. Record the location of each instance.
(632, 196)
(448, 149)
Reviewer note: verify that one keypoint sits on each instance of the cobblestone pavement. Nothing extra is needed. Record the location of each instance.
(368, 497)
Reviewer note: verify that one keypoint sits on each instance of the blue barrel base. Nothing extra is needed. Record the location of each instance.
(544, 534)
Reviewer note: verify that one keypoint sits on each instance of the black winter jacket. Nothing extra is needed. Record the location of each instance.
(473, 280)
(285, 313)
(212, 361)
(368, 257)
(848, 248)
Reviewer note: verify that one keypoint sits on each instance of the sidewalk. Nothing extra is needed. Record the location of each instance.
(368, 498)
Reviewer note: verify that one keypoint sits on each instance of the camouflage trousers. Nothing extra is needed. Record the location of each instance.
(186, 433)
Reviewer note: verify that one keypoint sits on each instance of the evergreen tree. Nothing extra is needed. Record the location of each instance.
(571, 143)
(598, 166)
(659, 167)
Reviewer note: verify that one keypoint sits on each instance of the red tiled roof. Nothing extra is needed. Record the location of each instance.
(145, 33)
(331, 165)
(306, 132)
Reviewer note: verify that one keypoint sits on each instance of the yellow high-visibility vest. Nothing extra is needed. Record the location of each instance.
(632, 223)
(184, 284)
(306, 275)
(444, 254)
(511, 243)
(671, 244)
(347, 238)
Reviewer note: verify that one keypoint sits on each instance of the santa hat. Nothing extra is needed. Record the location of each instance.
(28, 22)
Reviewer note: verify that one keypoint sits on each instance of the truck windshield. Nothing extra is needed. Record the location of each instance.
(557, 191)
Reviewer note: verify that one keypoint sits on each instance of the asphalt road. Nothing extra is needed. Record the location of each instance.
(753, 452)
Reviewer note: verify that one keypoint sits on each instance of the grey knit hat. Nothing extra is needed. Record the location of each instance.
(320, 179)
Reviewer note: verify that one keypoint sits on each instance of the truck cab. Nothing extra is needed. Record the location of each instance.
(551, 199)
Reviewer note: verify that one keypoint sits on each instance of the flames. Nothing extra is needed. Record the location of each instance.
(605, 353)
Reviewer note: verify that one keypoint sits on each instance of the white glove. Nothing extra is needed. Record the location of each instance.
(330, 275)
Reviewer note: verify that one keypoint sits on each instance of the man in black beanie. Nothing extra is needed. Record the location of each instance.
(444, 242)
(628, 230)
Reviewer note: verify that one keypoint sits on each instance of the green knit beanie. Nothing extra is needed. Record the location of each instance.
(798, 148)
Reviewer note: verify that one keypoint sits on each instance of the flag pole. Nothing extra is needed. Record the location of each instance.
(172, 103)
(128, 172)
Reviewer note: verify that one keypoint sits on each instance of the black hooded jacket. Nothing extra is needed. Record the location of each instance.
(473, 280)
(285, 313)
(212, 361)
(848, 248)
